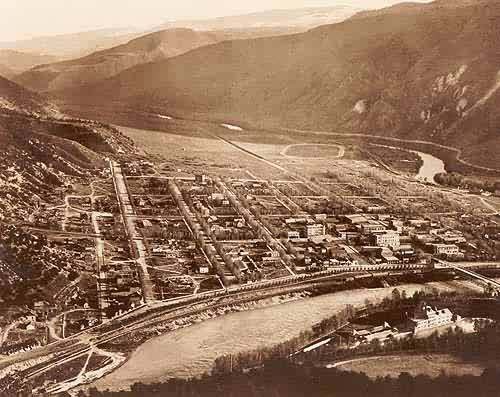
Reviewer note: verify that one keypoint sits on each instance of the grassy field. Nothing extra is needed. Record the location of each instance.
(426, 364)
(198, 154)
(314, 151)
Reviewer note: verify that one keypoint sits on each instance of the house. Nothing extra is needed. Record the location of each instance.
(364, 334)
(203, 269)
(42, 310)
(273, 256)
(29, 326)
(397, 225)
(405, 252)
(200, 178)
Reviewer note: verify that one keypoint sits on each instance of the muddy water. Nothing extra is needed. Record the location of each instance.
(430, 168)
(191, 351)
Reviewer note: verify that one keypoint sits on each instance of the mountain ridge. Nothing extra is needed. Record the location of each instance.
(106, 63)
(413, 74)
(305, 17)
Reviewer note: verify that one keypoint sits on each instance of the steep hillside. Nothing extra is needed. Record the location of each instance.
(17, 99)
(103, 64)
(415, 71)
(41, 148)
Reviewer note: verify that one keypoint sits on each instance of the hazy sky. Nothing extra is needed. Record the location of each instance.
(28, 18)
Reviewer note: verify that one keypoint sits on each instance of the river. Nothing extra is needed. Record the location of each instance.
(191, 351)
(430, 168)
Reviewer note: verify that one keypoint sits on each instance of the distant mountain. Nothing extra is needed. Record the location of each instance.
(301, 17)
(73, 45)
(17, 62)
(148, 48)
(171, 40)
(416, 71)
(103, 64)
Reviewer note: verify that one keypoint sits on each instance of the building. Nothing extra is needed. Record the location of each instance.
(200, 178)
(356, 219)
(203, 269)
(446, 249)
(428, 317)
(290, 221)
(216, 197)
(366, 334)
(388, 257)
(387, 240)
(315, 229)
(372, 227)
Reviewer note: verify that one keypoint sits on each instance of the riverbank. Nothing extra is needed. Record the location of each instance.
(192, 351)
(428, 166)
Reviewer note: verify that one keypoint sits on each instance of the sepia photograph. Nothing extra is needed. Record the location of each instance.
(267, 198)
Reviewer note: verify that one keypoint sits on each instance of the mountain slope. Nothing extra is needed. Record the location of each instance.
(14, 98)
(416, 71)
(41, 147)
(107, 63)
(6, 72)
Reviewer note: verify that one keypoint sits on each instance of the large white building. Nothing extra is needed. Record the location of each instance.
(316, 229)
(428, 317)
(387, 240)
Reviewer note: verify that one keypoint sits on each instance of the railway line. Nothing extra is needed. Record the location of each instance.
(83, 343)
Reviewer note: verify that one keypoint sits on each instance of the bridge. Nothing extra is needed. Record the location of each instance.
(468, 272)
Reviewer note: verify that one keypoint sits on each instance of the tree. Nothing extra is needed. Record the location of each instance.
(396, 296)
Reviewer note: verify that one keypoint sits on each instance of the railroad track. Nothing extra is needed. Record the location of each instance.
(213, 301)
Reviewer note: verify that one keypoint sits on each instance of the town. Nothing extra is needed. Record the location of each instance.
(139, 235)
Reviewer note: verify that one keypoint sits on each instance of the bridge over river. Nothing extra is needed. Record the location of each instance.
(466, 268)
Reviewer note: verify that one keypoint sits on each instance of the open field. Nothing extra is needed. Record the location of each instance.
(184, 154)
(314, 151)
(429, 364)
